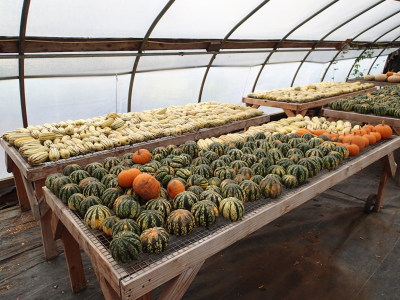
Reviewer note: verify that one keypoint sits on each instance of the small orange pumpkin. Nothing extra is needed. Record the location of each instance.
(141, 156)
(385, 130)
(318, 132)
(371, 138)
(389, 73)
(126, 177)
(353, 149)
(146, 186)
(175, 187)
(355, 139)
(368, 127)
(377, 135)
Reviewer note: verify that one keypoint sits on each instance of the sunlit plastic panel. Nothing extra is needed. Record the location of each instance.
(78, 65)
(277, 18)
(338, 72)
(8, 67)
(321, 56)
(330, 18)
(10, 114)
(367, 19)
(309, 73)
(60, 99)
(165, 88)
(382, 29)
(292, 56)
(379, 65)
(202, 19)
(147, 63)
(363, 69)
(227, 84)
(240, 59)
(92, 18)
(388, 51)
(350, 54)
(10, 17)
(391, 36)
(122, 91)
(276, 76)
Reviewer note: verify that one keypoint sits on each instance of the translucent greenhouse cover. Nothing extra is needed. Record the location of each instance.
(98, 82)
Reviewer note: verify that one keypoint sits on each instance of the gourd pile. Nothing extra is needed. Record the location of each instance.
(384, 102)
(388, 76)
(52, 142)
(142, 198)
(311, 92)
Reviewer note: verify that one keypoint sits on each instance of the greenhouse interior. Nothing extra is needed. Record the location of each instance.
(181, 149)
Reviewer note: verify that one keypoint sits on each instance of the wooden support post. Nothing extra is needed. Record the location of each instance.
(19, 184)
(302, 112)
(388, 170)
(49, 244)
(396, 130)
(108, 292)
(74, 261)
(177, 286)
(289, 113)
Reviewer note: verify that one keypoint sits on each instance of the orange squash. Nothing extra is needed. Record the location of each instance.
(389, 73)
(141, 156)
(368, 128)
(353, 149)
(175, 187)
(355, 139)
(359, 131)
(371, 138)
(377, 135)
(146, 186)
(366, 140)
(385, 130)
(302, 131)
(126, 177)
(319, 131)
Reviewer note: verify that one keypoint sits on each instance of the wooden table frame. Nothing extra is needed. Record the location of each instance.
(30, 180)
(376, 83)
(180, 268)
(291, 109)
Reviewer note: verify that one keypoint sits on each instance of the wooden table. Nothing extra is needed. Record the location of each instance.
(376, 83)
(184, 256)
(293, 108)
(353, 116)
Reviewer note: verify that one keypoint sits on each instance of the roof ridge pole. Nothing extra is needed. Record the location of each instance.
(351, 69)
(21, 59)
(258, 7)
(365, 30)
(142, 46)
(284, 38)
(330, 32)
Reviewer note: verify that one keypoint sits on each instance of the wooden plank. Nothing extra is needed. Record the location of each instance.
(140, 284)
(43, 170)
(178, 286)
(353, 116)
(302, 106)
(7, 182)
(21, 191)
(49, 244)
(30, 192)
(381, 190)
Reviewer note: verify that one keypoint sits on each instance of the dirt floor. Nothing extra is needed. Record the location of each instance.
(327, 248)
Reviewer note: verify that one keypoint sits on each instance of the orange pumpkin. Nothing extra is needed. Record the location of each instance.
(175, 187)
(389, 74)
(353, 149)
(319, 131)
(146, 186)
(126, 177)
(359, 131)
(368, 128)
(371, 138)
(355, 139)
(141, 156)
(385, 130)
(377, 135)
(366, 140)
(302, 131)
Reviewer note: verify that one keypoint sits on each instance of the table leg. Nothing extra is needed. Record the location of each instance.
(302, 112)
(19, 184)
(289, 113)
(388, 170)
(177, 286)
(108, 292)
(396, 130)
(49, 244)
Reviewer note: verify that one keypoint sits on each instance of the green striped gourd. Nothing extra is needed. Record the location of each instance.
(290, 181)
(110, 195)
(274, 176)
(250, 144)
(304, 147)
(265, 145)
(170, 148)
(275, 155)
(49, 179)
(93, 166)
(293, 135)
(108, 178)
(203, 170)
(74, 201)
(126, 163)
(259, 169)
(88, 202)
(110, 162)
(260, 153)
(85, 181)
(233, 190)
(214, 165)
(301, 172)
(127, 156)
(239, 178)
(257, 178)
(226, 158)
(77, 175)
(191, 148)
(225, 182)
(246, 172)
(265, 161)
(308, 136)
(311, 165)
(58, 183)
(68, 190)
(294, 151)
(214, 181)
(108, 223)
(315, 142)
(343, 150)
(324, 149)
(270, 187)
(70, 168)
(214, 188)
(209, 155)
(216, 147)
(126, 247)
(159, 150)
(235, 154)
(231, 209)
(185, 200)
(211, 196)
(180, 222)
(318, 162)
(239, 144)
(276, 169)
(259, 135)
(295, 141)
(330, 162)
(284, 148)
(251, 190)
(176, 151)
(246, 150)
(198, 180)
(154, 240)
(285, 162)
(164, 171)
(127, 208)
(113, 182)
(314, 152)
(236, 165)
(115, 170)
(95, 216)
(195, 189)
(205, 213)
(98, 173)
(249, 159)
(150, 218)
(125, 225)
(94, 188)
(338, 155)
(160, 204)
(183, 173)
(200, 160)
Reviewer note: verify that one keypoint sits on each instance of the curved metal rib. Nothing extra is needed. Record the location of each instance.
(330, 32)
(223, 41)
(365, 30)
(351, 69)
(285, 37)
(146, 37)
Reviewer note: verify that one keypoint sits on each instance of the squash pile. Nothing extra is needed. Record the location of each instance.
(388, 76)
(52, 142)
(384, 102)
(140, 199)
(311, 92)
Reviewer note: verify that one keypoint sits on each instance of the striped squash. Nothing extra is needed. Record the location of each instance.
(259, 169)
(285, 162)
(49, 179)
(214, 181)
(330, 162)
(213, 166)
(231, 209)
(246, 172)
(251, 190)
(125, 225)
(236, 165)
(203, 170)
(110, 162)
(212, 196)
(85, 181)
(314, 152)
(74, 201)
(98, 173)
(233, 190)
(224, 173)
(214, 188)
(77, 175)
(92, 166)
(246, 150)
(58, 183)
(294, 151)
(216, 147)
(154, 240)
(260, 153)
(276, 169)
(290, 181)
(235, 154)
(314, 142)
(95, 216)
(275, 155)
(88, 202)
(257, 178)
(301, 172)
(249, 159)
(70, 168)
(108, 223)
(191, 148)
(270, 187)
(116, 170)
(210, 155)
(200, 161)
(183, 173)
(126, 247)
(226, 159)
(67, 191)
(205, 213)
(180, 222)
(150, 218)
(185, 200)
(311, 165)
(94, 188)
(110, 195)
(107, 179)
(127, 208)
(284, 148)
(160, 204)
(304, 147)
(195, 189)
